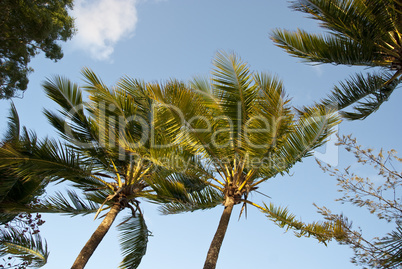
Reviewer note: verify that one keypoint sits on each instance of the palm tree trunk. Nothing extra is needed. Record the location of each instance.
(213, 252)
(96, 238)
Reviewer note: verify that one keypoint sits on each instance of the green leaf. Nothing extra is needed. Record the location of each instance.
(365, 33)
(13, 128)
(205, 199)
(133, 240)
(322, 231)
(365, 93)
(30, 248)
(392, 246)
(73, 205)
(309, 132)
(319, 48)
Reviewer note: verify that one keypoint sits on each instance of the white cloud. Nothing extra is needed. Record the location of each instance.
(102, 23)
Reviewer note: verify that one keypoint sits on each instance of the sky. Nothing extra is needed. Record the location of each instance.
(156, 40)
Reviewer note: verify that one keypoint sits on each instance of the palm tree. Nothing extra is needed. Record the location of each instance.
(242, 127)
(23, 191)
(360, 33)
(108, 156)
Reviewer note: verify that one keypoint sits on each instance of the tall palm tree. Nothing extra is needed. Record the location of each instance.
(359, 32)
(242, 126)
(23, 191)
(108, 156)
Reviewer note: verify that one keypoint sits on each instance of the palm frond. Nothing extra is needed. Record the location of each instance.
(13, 128)
(6, 184)
(133, 241)
(319, 48)
(371, 103)
(70, 121)
(73, 205)
(391, 247)
(366, 33)
(190, 182)
(322, 231)
(205, 199)
(16, 190)
(232, 82)
(365, 93)
(97, 195)
(167, 190)
(50, 159)
(358, 20)
(309, 132)
(233, 86)
(30, 248)
(270, 119)
(181, 115)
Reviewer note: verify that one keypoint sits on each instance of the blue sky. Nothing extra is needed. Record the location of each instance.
(157, 40)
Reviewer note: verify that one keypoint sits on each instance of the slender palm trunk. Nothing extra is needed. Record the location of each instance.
(96, 238)
(213, 252)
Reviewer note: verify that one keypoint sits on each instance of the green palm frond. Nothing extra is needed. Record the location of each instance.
(15, 188)
(205, 199)
(366, 33)
(13, 128)
(127, 100)
(181, 115)
(6, 184)
(365, 93)
(373, 89)
(133, 241)
(357, 20)
(322, 231)
(319, 48)
(235, 89)
(68, 96)
(30, 248)
(177, 187)
(310, 132)
(232, 85)
(391, 246)
(138, 90)
(21, 191)
(358, 87)
(97, 195)
(73, 205)
(52, 160)
(191, 183)
(166, 189)
(270, 119)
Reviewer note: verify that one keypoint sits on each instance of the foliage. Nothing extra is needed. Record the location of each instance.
(380, 196)
(26, 28)
(242, 127)
(107, 155)
(359, 32)
(20, 241)
(134, 231)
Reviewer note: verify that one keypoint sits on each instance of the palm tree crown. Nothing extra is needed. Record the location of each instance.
(360, 32)
(108, 156)
(243, 128)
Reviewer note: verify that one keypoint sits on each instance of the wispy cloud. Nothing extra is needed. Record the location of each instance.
(102, 23)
